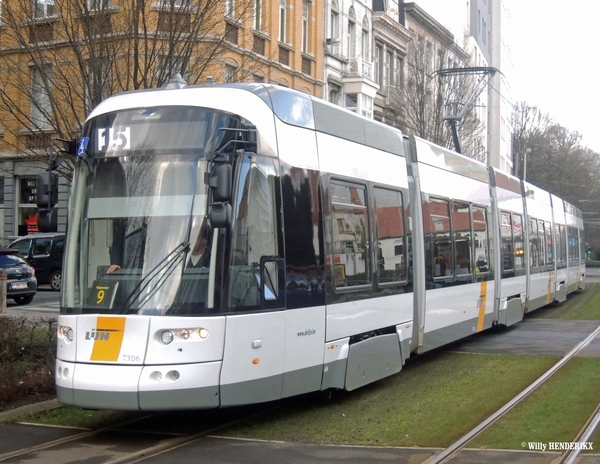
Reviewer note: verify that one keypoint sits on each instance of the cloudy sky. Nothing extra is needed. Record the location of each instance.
(555, 49)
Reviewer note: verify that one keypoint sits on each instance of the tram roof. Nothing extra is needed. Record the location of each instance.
(303, 110)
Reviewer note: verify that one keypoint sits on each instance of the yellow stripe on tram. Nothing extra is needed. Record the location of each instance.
(549, 294)
(108, 338)
(482, 300)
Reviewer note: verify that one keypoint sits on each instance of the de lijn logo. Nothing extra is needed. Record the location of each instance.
(99, 334)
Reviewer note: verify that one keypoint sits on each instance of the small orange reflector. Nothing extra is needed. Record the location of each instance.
(332, 346)
(255, 361)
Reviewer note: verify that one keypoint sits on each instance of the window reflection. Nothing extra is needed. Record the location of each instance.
(390, 236)
(350, 235)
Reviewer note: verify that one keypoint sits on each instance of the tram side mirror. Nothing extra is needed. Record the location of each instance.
(47, 189)
(220, 182)
(219, 215)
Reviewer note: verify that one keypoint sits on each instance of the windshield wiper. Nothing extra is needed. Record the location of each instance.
(168, 263)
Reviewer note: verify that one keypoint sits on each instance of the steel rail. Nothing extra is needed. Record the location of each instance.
(174, 443)
(461, 442)
(569, 457)
(60, 441)
(141, 454)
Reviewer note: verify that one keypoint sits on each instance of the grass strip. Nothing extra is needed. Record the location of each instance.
(69, 416)
(433, 401)
(582, 306)
(555, 412)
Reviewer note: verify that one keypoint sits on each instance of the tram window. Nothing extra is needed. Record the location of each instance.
(439, 236)
(254, 231)
(559, 237)
(506, 233)
(573, 246)
(481, 240)
(461, 222)
(350, 235)
(549, 252)
(389, 236)
(517, 226)
(534, 243)
(541, 243)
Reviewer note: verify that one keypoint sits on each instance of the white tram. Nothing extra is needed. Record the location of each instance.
(243, 243)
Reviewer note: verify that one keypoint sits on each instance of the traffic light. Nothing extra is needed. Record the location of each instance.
(47, 197)
(47, 189)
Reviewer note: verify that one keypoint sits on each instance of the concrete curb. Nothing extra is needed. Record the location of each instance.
(34, 408)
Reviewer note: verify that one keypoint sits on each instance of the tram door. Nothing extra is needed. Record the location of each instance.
(253, 358)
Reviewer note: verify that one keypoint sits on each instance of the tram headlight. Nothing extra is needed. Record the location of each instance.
(167, 337)
(65, 333)
(183, 335)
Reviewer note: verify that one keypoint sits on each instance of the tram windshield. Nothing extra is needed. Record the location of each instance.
(138, 240)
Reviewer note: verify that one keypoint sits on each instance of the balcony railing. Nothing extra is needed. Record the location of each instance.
(359, 67)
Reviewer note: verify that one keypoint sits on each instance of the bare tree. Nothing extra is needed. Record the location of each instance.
(557, 161)
(62, 57)
(425, 95)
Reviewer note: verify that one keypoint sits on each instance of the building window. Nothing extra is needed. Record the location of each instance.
(334, 94)
(305, 26)
(231, 33)
(351, 101)
(366, 106)
(284, 56)
(282, 21)
(230, 8)
(2, 191)
(334, 21)
(351, 38)
(27, 210)
(378, 61)
(99, 5)
(366, 47)
(229, 73)
(366, 40)
(40, 109)
(258, 45)
(399, 73)
(43, 8)
(387, 63)
(257, 15)
(258, 79)
(306, 66)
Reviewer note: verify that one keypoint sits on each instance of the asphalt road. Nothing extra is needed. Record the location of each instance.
(45, 304)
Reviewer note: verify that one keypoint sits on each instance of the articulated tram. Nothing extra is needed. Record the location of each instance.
(243, 243)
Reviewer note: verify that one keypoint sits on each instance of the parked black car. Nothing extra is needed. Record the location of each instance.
(45, 253)
(21, 283)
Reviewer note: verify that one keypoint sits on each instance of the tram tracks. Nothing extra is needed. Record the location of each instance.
(455, 448)
(163, 442)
